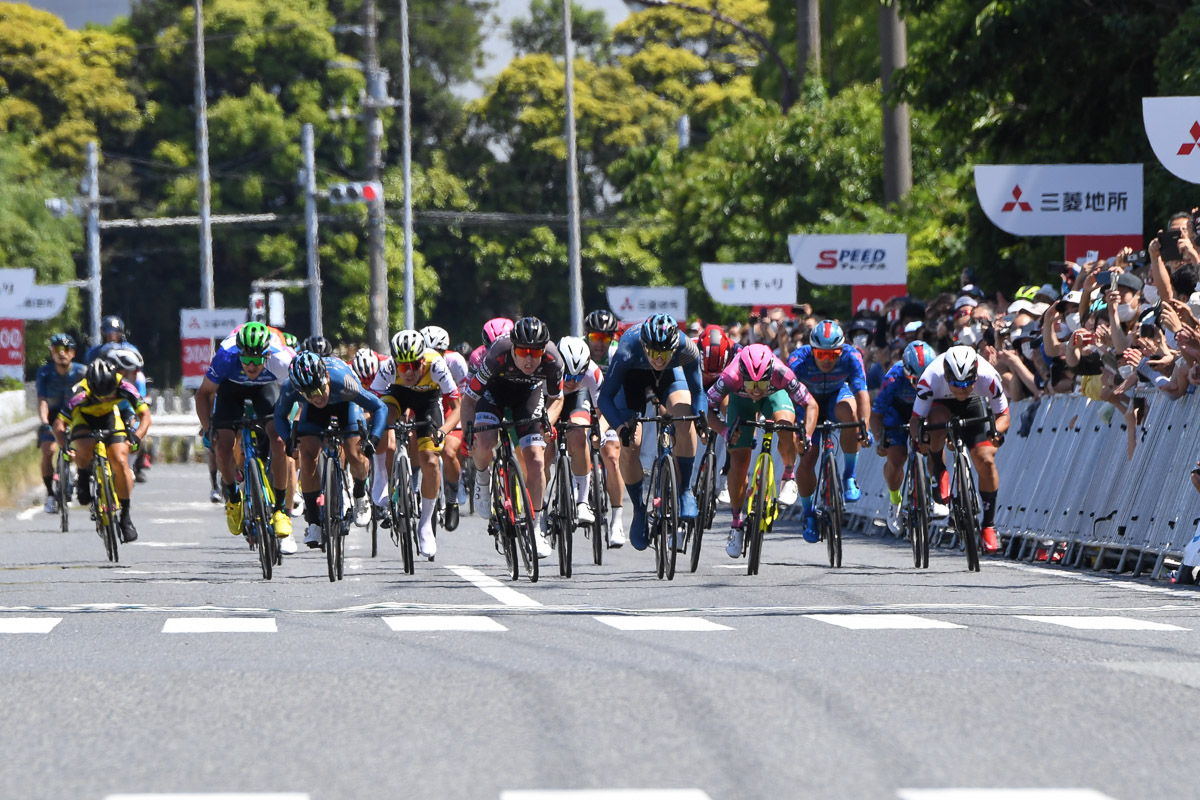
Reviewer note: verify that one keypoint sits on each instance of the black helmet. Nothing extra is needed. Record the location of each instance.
(101, 378)
(62, 340)
(112, 324)
(529, 332)
(317, 344)
(600, 321)
(307, 372)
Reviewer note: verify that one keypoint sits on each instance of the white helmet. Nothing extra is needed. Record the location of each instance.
(365, 365)
(125, 360)
(962, 364)
(575, 354)
(436, 338)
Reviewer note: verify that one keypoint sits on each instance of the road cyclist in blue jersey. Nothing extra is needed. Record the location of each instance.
(834, 374)
(654, 360)
(325, 388)
(250, 366)
(891, 412)
(56, 380)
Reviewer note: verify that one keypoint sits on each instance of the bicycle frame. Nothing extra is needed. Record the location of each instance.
(964, 497)
(662, 509)
(511, 519)
(334, 522)
(762, 493)
(258, 497)
(829, 504)
(106, 506)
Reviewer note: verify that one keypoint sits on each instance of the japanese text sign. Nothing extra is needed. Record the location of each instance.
(636, 303)
(750, 284)
(1061, 199)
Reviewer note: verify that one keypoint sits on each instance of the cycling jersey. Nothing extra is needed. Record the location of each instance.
(586, 394)
(459, 370)
(630, 364)
(848, 372)
(782, 379)
(895, 399)
(499, 366)
(88, 405)
(102, 350)
(435, 377)
(55, 388)
(347, 398)
(933, 387)
(226, 364)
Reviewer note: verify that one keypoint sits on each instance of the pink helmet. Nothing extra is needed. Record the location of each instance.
(493, 329)
(756, 361)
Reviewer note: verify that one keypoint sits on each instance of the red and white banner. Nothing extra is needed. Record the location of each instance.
(196, 355)
(1061, 199)
(874, 259)
(1076, 248)
(874, 298)
(1173, 128)
(12, 348)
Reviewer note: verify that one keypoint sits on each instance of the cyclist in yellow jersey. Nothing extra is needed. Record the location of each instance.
(94, 407)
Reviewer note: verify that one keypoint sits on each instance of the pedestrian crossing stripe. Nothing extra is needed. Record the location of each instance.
(1001, 794)
(658, 623)
(442, 623)
(1104, 623)
(865, 622)
(219, 625)
(28, 624)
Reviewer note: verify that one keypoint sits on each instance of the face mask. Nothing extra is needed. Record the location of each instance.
(1150, 293)
(1027, 349)
(1072, 321)
(970, 335)
(1062, 331)
(1125, 312)
(860, 341)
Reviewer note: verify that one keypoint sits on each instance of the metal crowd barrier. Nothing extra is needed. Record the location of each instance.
(1068, 493)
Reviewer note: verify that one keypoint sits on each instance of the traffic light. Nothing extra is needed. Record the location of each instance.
(258, 307)
(357, 192)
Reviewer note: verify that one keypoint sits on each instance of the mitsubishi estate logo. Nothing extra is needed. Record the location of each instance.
(1017, 201)
(1172, 127)
(626, 305)
(1186, 148)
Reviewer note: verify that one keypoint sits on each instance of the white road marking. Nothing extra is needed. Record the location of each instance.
(729, 566)
(28, 514)
(219, 625)
(1001, 794)
(211, 796)
(1093, 579)
(28, 624)
(872, 622)
(1104, 623)
(661, 623)
(164, 544)
(604, 794)
(493, 587)
(436, 623)
(174, 520)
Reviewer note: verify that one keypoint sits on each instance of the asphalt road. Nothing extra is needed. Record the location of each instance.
(872, 681)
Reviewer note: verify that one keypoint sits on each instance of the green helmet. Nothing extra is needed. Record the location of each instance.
(290, 340)
(253, 339)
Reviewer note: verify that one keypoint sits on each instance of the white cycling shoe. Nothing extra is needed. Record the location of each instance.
(584, 512)
(788, 493)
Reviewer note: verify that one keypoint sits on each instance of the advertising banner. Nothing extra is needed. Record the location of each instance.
(850, 259)
(1061, 199)
(44, 302)
(196, 353)
(1173, 128)
(1076, 248)
(750, 284)
(635, 303)
(12, 348)
(874, 298)
(209, 323)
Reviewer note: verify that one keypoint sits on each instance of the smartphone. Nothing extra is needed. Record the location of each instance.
(1104, 277)
(1056, 267)
(1168, 242)
(1148, 330)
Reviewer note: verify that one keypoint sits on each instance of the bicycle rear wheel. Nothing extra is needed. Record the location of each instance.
(758, 517)
(522, 520)
(259, 521)
(599, 497)
(669, 517)
(965, 520)
(706, 491)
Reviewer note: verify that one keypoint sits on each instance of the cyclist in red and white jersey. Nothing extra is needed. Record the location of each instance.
(960, 383)
(365, 365)
(453, 450)
(716, 351)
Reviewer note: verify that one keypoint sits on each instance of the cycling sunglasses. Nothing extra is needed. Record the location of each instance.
(574, 378)
(967, 384)
(529, 352)
(256, 360)
(658, 355)
(315, 393)
(61, 348)
(822, 354)
(600, 336)
(757, 386)
(408, 366)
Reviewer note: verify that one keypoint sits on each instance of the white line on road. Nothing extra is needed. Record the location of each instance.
(1093, 579)
(436, 623)
(605, 794)
(29, 624)
(493, 587)
(1001, 794)
(216, 796)
(175, 520)
(164, 544)
(28, 514)
(219, 625)
(662, 624)
(1104, 623)
(873, 622)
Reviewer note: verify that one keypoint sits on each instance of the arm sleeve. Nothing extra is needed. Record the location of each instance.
(924, 399)
(439, 370)
(858, 375)
(613, 382)
(592, 381)
(883, 400)
(695, 382)
(42, 389)
(794, 387)
(283, 408)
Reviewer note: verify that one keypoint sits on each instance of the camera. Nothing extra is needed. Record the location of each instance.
(1168, 242)
(1148, 330)
(1104, 278)
(1138, 258)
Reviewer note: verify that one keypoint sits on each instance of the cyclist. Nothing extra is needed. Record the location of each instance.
(438, 340)
(960, 383)
(581, 389)
(56, 380)
(518, 373)
(317, 344)
(716, 351)
(833, 372)
(601, 329)
(112, 330)
(416, 379)
(365, 365)
(890, 412)
(755, 382)
(493, 329)
(94, 407)
(325, 387)
(249, 366)
(654, 358)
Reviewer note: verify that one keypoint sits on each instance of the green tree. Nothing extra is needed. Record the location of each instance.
(541, 32)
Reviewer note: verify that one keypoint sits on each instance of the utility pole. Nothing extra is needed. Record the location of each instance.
(310, 231)
(93, 235)
(897, 140)
(377, 299)
(576, 282)
(206, 261)
(808, 39)
(410, 319)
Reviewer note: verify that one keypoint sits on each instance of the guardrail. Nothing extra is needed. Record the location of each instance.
(1069, 495)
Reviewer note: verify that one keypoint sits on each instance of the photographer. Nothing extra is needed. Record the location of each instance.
(1171, 250)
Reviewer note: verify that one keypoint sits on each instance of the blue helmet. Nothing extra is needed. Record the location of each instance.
(916, 358)
(827, 335)
(307, 372)
(660, 332)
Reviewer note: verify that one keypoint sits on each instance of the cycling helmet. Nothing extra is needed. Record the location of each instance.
(715, 349)
(408, 345)
(365, 365)
(755, 362)
(827, 335)
(962, 364)
(575, 355)
(529, 332)
(493, 329)
(600, 321)
(253, 339)
(1028, 293)
(317, 344)
(112, 324)
(124, 360)
(916, 358)
(101, 378)
(62, 340)
(307, 372)
(660, 332)
(290, 340)
(436, 338)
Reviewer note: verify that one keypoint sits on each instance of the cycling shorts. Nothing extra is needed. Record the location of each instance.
(230, 402)
(895, 436)
(743, 408)
(641, 385)
(828, 402)
(578, 406)
(425, 407)
(527, 403)
(976, 433)
(84, 423)
(315, 421)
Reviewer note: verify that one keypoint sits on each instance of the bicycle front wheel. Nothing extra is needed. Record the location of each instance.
(669, 517)
(403, 525)
(564, 501)
(918, 513)
(522, 520)
(599, 494)
(110, 511)
(759, 518)
(966, 521)
(259, 521)
(331, 521)
(64, 490)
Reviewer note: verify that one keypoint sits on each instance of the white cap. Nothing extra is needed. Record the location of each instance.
(914, 326)
(1038, 309)
(965, 300)
(1021, 306)
(1048, 291)
(1073, 296)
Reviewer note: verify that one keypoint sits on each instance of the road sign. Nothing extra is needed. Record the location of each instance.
(197, 323)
